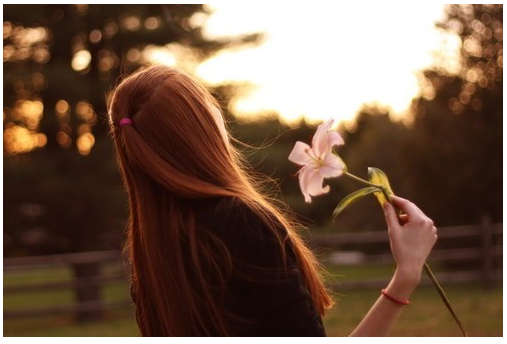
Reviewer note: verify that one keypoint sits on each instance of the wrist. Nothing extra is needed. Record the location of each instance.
(408, 275)
(403, 283)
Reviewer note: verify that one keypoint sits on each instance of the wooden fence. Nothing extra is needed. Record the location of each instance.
(474, 252)
(87, 283)
(484, 250)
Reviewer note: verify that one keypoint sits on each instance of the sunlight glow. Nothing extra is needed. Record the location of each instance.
(158, 55)
(172, 54)
(326, 63)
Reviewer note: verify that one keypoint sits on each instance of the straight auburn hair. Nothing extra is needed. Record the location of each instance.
(172, 156)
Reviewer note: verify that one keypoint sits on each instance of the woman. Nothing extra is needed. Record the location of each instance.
(210, 254)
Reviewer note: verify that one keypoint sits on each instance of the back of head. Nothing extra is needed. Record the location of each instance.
(174, 138)
(172, 156)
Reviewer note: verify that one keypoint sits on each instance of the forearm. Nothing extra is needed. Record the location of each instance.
(384, 312)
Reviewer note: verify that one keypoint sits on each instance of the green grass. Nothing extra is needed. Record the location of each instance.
(479, 309)
(115, 324)
(113, 291)
(361, 272)
(37, 276)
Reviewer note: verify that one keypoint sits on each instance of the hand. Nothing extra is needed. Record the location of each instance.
(412, 240)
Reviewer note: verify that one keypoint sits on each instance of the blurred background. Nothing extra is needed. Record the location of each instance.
(415, 90)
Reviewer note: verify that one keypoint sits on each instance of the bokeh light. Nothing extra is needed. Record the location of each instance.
(18, 139)
(84, 111)
(81, 60)
(85, 143)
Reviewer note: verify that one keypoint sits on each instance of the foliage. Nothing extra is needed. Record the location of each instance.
(63, 192)
(454, 157)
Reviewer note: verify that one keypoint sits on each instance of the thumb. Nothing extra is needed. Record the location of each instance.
(391, 216)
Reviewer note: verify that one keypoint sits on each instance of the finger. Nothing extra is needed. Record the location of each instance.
(403, 218)
(406, 206)
(391, 216)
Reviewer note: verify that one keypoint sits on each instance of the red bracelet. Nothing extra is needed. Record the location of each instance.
(403, 303)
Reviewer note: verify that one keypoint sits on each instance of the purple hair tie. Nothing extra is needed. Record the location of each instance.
(124, 121)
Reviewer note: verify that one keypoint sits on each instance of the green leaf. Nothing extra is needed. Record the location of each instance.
(376, 176)
(348, 200)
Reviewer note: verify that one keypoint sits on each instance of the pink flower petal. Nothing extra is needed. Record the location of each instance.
(319, 141)
(315, 184)
(332, 139)
(304, 182)
(299, 154)
(333, 166)
(310, 182)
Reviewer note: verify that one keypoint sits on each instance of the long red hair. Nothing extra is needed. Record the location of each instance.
(172, 156)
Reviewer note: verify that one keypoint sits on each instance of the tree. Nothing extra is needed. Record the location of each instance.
(67, 57)
(62, 190)
(454, 159)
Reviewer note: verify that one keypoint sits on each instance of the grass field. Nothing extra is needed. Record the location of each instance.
(481, 310)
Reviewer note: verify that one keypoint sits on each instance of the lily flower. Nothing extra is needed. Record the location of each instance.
(319, 161)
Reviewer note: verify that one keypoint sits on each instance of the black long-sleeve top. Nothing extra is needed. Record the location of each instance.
(274, 299)
(263, 297)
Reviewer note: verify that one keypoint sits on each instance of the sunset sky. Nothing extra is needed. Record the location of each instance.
(322, 62)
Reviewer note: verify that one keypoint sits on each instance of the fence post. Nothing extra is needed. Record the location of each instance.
(88, 291)
(487, 247)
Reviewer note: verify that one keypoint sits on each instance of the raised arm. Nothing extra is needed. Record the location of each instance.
(411, 243)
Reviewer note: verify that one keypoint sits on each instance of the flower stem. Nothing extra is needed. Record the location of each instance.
(361, 180)
(444, 297)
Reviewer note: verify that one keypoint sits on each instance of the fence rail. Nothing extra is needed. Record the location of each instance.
(484, 248)
(338, 239)
(88, 279)
(14, 264)
(87, 282)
